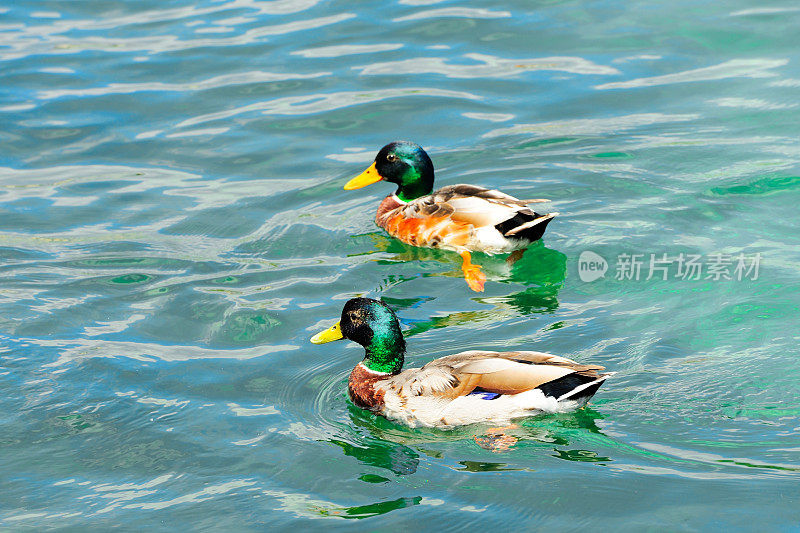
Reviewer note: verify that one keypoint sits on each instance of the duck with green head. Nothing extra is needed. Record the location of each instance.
(463, 388)
(461, 218)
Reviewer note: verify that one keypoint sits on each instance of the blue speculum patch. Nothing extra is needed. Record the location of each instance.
(485, 395)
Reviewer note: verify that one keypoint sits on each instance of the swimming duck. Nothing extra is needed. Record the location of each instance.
(463, 388)
(461, 218)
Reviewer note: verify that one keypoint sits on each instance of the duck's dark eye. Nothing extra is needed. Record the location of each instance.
(391, 158)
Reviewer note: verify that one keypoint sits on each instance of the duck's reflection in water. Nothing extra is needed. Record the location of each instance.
(542, 270)
(400, 459)
(397, 448)
(378, 508)
(547, 429)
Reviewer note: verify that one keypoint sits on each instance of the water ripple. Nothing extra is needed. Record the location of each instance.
(347, 50)
(323, 102)
(187, 87)
(460, 12)
(735, 68)
(488, 66)
(80, 349)
(751, 103)
(590, 126)
(48, 39)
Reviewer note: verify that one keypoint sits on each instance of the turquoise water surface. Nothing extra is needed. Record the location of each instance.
(173, 229)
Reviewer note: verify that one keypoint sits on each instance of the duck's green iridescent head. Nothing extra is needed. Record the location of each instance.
(401, 162)
(375, 327)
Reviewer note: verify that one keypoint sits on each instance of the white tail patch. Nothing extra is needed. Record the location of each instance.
(530, 224)
(585, 386)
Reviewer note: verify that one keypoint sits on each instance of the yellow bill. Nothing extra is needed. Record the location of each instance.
(333, 333)
(367, 177)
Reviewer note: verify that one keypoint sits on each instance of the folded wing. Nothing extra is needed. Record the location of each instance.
(498, 372)
(480, 207)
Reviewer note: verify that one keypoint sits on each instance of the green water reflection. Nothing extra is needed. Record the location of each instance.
(537, 265)
(373, 509)
(401, 460)
(539, 269)
(399, 449)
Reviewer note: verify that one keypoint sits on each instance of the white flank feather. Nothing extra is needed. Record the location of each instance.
(434, 411)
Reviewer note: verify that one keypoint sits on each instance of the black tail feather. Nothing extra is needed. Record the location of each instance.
(583, 396)
(531, 234)
(566, 384)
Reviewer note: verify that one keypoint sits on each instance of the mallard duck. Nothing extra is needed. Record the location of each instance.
(463, 388)
(461, 218)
